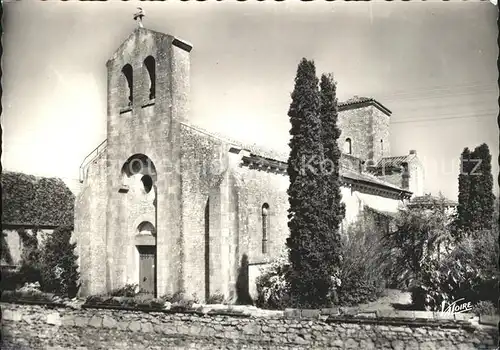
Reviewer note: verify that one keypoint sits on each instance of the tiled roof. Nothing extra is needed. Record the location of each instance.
(354, 100)
(262, 151)
(396, 162)
(282, 156)
(362, 102)
(429, 200)
(369, 178)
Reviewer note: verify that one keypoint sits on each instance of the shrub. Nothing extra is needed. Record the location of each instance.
(485, 308)
(419, 235)
(362, 267)
(179, 299)
(11, 279)
(216, 298)
(31, 295)
(469, 272)
(141, 301)
(129, 290)
(272, 286)
(58, 264)
(30, 270)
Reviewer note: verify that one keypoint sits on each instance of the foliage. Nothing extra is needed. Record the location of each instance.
(136, 302)
(11, 279)
(469, 272)
(29, 200)
(485, 308)
(334, 209)
(363, 264)
(58, 263)
(180, 299)
(420, 235)
(313, 213)
(216, 298)
(31, 295)
(5, 253)
(30, 270)
(272, 286)
(475, 185)
(129, 290)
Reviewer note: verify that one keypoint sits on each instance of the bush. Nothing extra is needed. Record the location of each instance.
(29, 295)
(11, 279)
(272, 286)
(485, 308)
(179, 299)
(469, 272)
(30, 270)
(362, 267)
(58, 264)
(216, 298)
(129, 290)
(139, 301)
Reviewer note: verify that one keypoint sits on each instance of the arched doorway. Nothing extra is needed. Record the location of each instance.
(145, 241)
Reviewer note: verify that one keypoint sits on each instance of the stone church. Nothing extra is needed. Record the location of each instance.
(171, 207)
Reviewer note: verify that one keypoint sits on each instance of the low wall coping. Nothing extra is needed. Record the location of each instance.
(327, 315)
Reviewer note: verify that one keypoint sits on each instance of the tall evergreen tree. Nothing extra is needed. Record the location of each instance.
(462, 221)
(475, 186)
(483, 190)
(308, 279)
(334, 211)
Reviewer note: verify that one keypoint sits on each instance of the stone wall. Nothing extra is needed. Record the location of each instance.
(90, 228)
(366, 127)
(40, 327)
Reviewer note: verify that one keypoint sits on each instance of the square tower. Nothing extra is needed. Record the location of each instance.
(364, 123)
(148, 98)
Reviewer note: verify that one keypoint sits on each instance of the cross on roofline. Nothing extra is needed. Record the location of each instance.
(138, 16)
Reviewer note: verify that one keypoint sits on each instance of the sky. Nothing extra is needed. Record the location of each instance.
(433, 64)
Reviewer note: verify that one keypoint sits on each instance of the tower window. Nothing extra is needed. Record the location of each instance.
(382, 146)
(150, 64)
(127, 72)
(348, 146)
(265, 226)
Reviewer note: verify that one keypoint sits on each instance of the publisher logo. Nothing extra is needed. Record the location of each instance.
(457, 306)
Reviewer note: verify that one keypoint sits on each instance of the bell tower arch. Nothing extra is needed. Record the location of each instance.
(147, 99)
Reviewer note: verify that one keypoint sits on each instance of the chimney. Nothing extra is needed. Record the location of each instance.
(412, 151)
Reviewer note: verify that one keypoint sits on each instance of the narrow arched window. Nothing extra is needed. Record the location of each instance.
(150, 64)
(265, 227)
(348, 146)
(127, 72)
(382, 147)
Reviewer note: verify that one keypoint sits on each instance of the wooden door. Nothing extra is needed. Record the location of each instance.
(147, 255)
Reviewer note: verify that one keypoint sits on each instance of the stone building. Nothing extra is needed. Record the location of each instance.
(169, 206)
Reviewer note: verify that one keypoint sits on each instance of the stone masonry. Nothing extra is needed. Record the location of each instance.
(193, 199)
(39, 327)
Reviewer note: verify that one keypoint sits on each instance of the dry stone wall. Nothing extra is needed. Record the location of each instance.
(41, 327)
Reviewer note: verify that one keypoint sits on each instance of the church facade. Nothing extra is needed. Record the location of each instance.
(170, 207)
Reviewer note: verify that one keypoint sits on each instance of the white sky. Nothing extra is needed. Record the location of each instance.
(423, 60)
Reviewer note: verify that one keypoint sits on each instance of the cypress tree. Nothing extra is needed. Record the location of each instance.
(334, 210)
(308, 280)
(475, 191)
(483, 189)
(463, 217)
